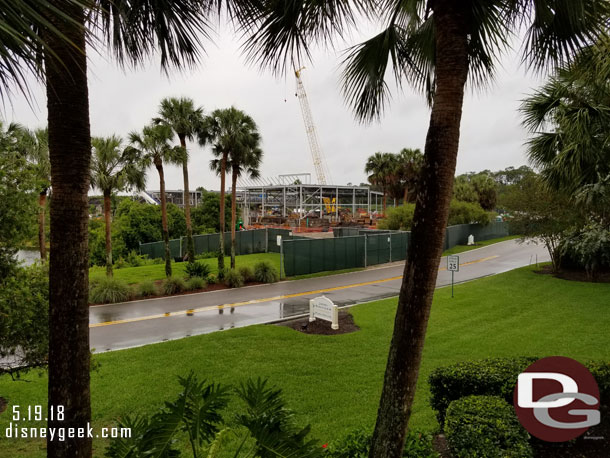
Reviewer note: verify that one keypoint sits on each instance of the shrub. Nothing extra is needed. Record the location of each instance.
(398, 218)
(196, 283)
(198, 269)
(120, 263)
(109, 290)
(601, 371)
(494, 377)
(485, 426)
(233, 279)
(264, 272)
(358, 443)
(587, 248)
(220, 275)
(467, 213)
(207, 255)
(147, 288)
(173, 285)
(134, 259)
(158, 261)
(247, 273)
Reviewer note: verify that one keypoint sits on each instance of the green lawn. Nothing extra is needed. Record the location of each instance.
(154, 272)
(462, 248)
(333, 382)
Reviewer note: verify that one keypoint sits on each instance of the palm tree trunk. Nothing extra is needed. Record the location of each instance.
(385, 200)
(233, 216)
(70, 156)
(406, 195)
(190, 244)
(168, 258)
(108, 236)
(429, 222)
(221, 248)
(42, 243)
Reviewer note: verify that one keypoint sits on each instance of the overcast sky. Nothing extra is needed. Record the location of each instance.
(491, 135)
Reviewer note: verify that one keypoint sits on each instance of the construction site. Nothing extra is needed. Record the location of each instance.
(293, 201)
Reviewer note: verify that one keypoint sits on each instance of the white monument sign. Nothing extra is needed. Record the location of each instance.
(324, 309)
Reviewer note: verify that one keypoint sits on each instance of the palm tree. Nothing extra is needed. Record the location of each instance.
(34, 145)
(569, 117)
(57, 31)
(381, 168)
(186, 121)
(409, 164)
(152, 147)
(243, 160)
(437, 46)
(229, 130)
(113, 169)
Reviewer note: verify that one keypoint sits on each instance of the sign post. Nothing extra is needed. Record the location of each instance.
(453, 265)
(324, 309)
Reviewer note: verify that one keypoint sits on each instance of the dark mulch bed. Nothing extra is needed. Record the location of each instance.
(346, 325)
(575, 275)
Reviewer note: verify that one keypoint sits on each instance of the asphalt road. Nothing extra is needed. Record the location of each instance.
(131, 324)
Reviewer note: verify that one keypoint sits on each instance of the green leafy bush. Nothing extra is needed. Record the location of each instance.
(233, 279)
(265, 272)
(24, 317)
(587, 248)
(109, 290)
(198, 269)
(494, 377)
(207, 255)
(220, 275)
(147, 288)
(247, 273)
(135, 260)
(173, 285)
(358, 443)
(194, 283)
(601, 371)
(398, 218)
(485, 426)
(120, 263)
(467, 213)
(195, 417)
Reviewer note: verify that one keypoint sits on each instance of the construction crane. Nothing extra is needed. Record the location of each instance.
(319, 163)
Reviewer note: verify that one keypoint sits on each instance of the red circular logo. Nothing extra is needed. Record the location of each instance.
(557, 399)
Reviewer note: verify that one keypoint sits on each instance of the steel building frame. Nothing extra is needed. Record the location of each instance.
(305, 200)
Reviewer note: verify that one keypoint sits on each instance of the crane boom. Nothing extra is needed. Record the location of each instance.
(319, 163)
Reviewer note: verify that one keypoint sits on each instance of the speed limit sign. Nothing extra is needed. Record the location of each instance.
(453, 263)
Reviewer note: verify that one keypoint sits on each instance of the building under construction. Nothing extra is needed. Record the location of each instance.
(306, 205)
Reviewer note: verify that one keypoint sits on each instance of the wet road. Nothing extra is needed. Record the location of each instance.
(118, 326)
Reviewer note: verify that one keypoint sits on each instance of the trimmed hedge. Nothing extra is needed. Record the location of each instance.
(493, 377)
(485, 427)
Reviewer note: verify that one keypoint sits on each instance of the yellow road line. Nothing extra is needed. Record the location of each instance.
(191, 312)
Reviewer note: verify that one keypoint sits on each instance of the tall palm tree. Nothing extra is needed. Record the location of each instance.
(569, 118)
(114, 169)
(229, 131)
(381, 168)
(186, 121)
(437, 45)
(34, 144)
(244, 160)
(152, 147)
(409, 163)
(58, 31)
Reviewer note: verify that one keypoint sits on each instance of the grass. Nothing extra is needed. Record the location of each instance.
(333, 382)
(462, 248)
(324, 274)
(152, 272)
